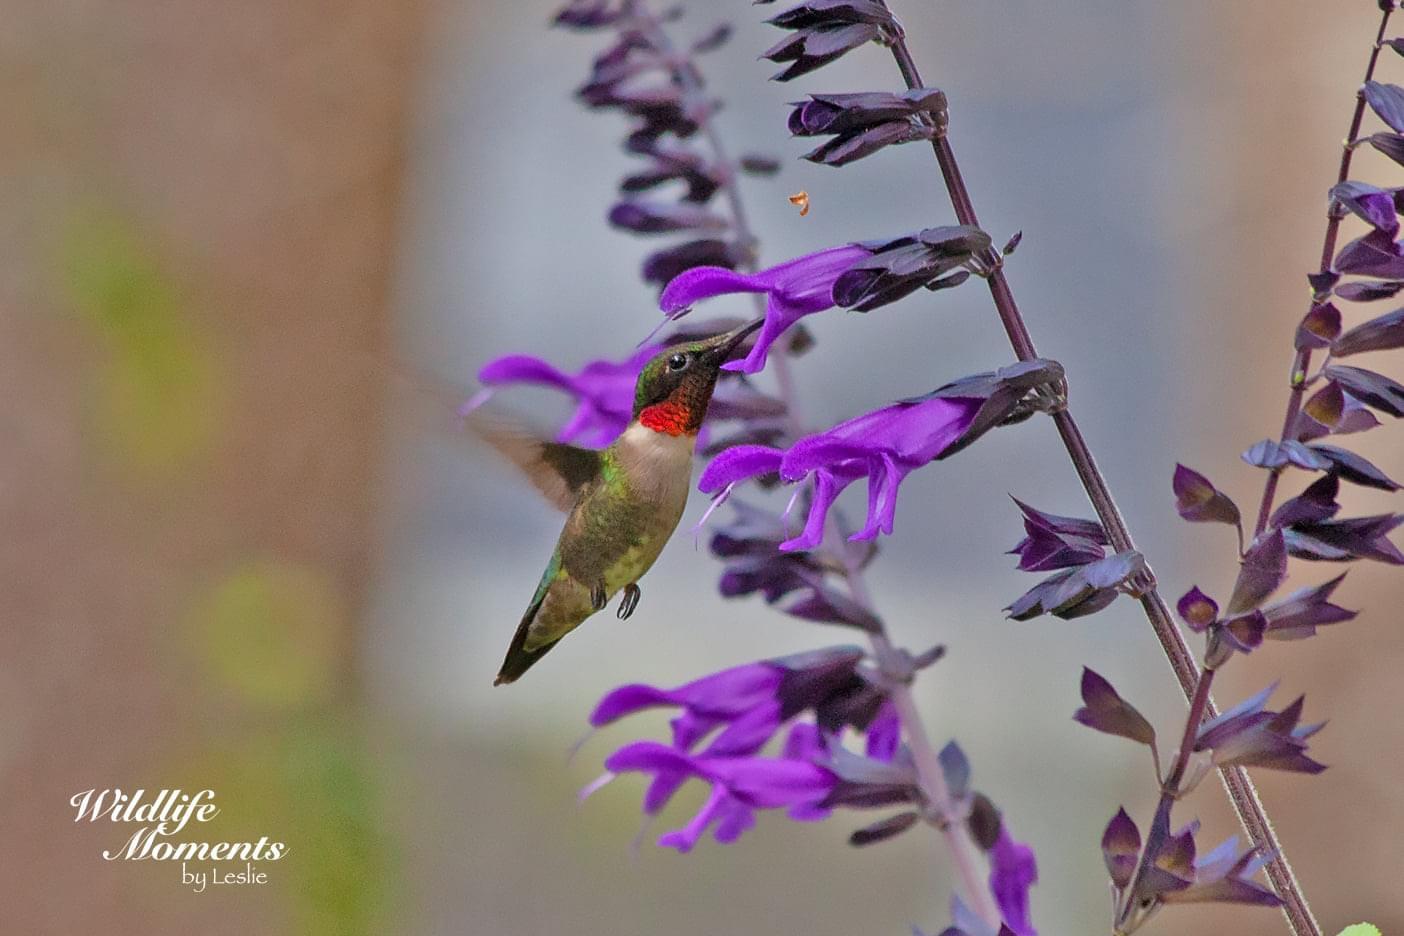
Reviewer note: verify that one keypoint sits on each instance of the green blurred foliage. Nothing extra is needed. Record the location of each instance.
(267, 633)
(312, 784)
(1361, 929)
(156, 405)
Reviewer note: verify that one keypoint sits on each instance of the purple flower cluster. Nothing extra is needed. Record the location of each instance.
(726, 720)
(642, 75)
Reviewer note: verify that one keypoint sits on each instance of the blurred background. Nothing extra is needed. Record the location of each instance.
(238, 554)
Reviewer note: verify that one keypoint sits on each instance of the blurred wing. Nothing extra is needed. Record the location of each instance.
(557, 470)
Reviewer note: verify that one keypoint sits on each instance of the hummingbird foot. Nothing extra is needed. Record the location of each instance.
(599, 597)
(630, 601)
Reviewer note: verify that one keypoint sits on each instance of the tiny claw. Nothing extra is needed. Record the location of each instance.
(630, 601)
(598, 597)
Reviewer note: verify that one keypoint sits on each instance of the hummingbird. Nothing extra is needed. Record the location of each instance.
(624, 501)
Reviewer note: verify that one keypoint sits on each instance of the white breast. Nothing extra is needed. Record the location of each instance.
(658, 463)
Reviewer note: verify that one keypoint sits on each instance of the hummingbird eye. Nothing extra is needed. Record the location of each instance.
(677, 362)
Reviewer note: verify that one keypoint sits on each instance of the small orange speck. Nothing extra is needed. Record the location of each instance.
(801, 199)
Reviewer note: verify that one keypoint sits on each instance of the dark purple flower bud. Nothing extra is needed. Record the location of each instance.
(1197, 609)
(701, 179)
(1372, 205)
(1368, 292)
(814, 47)
(1319, 327)
(825, 605)
(1072, 526)
(1376, 254)
(1270, 454)
(1331, 410)
(1372, 389)
(856, 144)
(663, 266)
(1243, 634)
(1321, 283)
(1106, 711)
(1302, 612)
(1079, 591)
(864, 123)
(1250, 736)
(793, 290)
(1223, 876)
(588, 14)
(1197, 500)
(1044, 549)
(1341, 540)
(1121, 848)
(713, 40)
(1378, 334)
(759, 165)
(832, 13)
(1316, 503)
(652, 217)
(1262, 570)
(1355, 468)
(868, 782)
(1054, 542)
(884, 829)
(1391, 144)
(1170, 864)
(901, 266)
(1387, 101)
(825, 114)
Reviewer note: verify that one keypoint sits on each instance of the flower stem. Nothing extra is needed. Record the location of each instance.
(931, 778)
(1297, 379)
(1244, 796)
(965, 854)
(1127, 919)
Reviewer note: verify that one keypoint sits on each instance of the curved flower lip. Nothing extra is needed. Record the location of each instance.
(725, 694)
(793, 290)
(762, 782)
(884, 445)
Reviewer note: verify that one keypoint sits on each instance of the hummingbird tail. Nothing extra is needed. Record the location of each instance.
(519, 659)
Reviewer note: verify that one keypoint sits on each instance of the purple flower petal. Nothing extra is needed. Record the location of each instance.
(793, 290)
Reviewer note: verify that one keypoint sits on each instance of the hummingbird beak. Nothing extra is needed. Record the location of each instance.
(725, 344)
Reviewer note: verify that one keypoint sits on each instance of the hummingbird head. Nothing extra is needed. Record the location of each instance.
(674, 388)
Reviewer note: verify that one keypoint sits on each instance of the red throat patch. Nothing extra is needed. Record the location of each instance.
(667, 417)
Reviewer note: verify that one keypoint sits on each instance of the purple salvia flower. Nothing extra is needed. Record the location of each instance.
(1013, 870)
(793, 290)
(884, 446)
(603, 391)
(739, 785)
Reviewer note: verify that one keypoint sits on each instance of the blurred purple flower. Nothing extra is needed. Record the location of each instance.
(1013, 870)
(793, 290)
(603, 391)
(739, 786)
(884, 446)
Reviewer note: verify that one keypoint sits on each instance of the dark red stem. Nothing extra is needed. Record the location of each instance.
(1302, 363)
(1244, 796)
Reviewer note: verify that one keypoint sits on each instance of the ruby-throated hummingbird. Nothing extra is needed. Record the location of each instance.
(624, 500)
